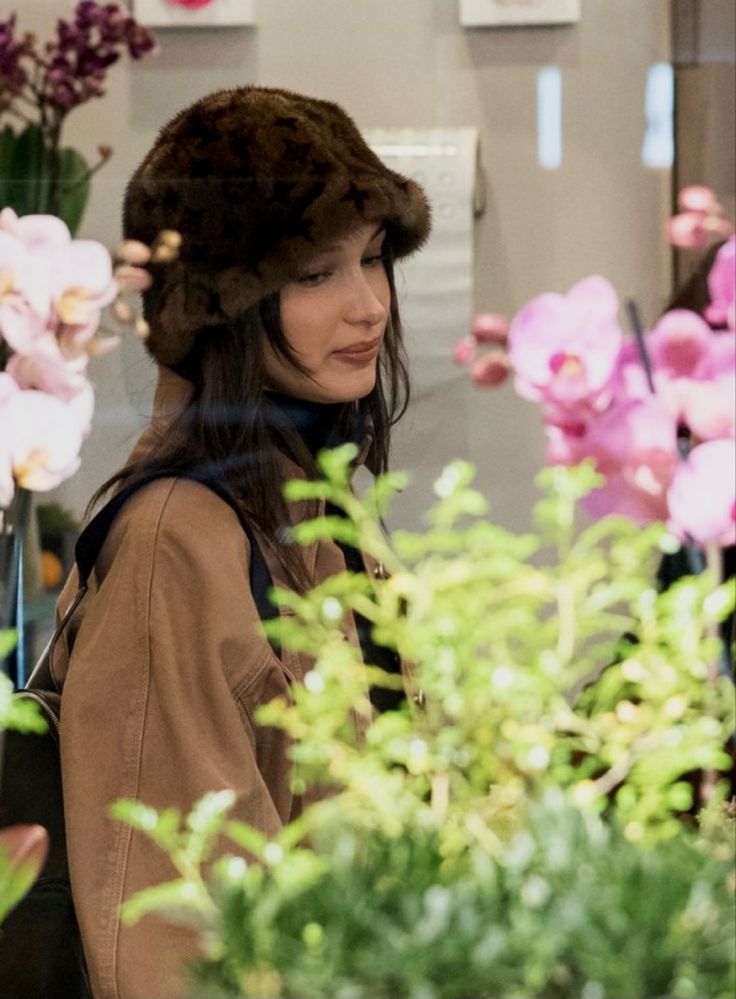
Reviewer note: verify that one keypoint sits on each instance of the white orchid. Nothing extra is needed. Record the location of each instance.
(52, 292)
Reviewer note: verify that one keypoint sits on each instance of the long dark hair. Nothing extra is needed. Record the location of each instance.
(230, 429)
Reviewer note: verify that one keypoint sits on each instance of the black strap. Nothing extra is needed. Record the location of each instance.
(90, 542)
(92, 538)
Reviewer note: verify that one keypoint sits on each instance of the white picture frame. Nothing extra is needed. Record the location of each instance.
(214, 14)
(514, 13)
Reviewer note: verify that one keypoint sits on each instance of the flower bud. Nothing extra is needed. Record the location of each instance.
(490, 370)
(490, 327)
(123, 312)
(132, 251)
(170, 238)
(687, 231)
(698, 198)
(465, 350)
(131, 278)
(102, 345)
(164, 254)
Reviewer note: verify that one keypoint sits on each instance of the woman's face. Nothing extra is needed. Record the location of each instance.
(334, 318)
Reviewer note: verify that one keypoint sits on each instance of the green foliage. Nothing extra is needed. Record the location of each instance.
(16, 713)
(19, 863)
(526, 831)
(27, 166)
(55, 519)
(22, 854)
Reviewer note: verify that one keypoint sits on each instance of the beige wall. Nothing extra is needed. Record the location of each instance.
(409, 63)
(705, 60)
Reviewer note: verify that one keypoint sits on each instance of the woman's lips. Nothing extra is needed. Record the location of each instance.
(360, 354)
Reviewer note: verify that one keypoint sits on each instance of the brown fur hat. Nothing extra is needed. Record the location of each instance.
(257, 181)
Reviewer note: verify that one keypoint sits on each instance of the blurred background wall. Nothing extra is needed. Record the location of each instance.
(397, 63)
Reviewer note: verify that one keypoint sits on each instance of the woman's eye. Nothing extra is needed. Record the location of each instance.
(372, 261)
(314, 278)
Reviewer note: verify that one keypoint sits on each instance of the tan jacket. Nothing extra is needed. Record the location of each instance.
(163, 666)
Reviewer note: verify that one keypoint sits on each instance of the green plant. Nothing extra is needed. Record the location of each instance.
(525, 833)
(22, 847)
(39, 86)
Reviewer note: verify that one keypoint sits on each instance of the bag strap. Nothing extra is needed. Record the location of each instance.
(90, 542)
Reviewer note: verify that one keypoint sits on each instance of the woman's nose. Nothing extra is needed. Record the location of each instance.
(366, 306)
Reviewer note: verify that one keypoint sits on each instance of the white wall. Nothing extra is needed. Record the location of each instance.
(409, 63)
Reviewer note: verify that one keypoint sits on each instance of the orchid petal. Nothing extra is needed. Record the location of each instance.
(702, 496)
(40, 233)
(722, 287)
(44, 439)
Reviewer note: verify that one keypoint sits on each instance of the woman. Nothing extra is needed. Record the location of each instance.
(276, 333)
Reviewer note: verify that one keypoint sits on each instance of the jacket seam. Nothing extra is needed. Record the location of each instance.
(126, 841)
(269, 659)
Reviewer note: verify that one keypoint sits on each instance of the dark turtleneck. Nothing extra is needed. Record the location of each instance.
(320, 426)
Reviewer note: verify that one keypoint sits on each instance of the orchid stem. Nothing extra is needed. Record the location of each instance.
(636, 325)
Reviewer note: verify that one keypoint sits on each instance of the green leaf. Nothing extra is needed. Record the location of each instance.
(8, 641)
(180, 901)
(27, 182)
(23, 851)
(19, 713)
(304, 489)
(8, 140)
(247, 837)
(74, 187)
(335, 463)
(379, 496)
(15, 883)
(333, 527)
(162, 827)
(205, 822)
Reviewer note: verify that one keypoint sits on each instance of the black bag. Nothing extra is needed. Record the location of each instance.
(41, 954)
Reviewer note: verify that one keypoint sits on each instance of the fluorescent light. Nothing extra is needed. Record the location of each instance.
(549, 117)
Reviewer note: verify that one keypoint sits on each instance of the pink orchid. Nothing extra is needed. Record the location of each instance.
(620, 497)
(634, 444)
(681, 346)
(702, 495)
(708, 408)
(41, 440)
(722, 287)
(564, 347)
(693, 371)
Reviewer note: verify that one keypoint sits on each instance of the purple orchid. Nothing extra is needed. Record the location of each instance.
(13, 76)
(74, 65)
